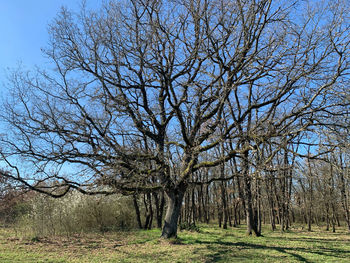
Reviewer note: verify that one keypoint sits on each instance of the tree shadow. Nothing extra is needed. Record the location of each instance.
(313, 240)
(221, 250)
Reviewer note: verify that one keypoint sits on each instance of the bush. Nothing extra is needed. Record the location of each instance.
(13, 205)
(76, 213)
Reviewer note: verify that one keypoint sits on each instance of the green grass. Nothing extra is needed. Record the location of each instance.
(211, 244)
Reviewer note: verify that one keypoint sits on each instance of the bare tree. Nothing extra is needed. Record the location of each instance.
(141, 90)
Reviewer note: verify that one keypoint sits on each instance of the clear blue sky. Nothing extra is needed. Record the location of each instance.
(23, 30)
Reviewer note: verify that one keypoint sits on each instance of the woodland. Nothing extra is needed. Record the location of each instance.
(178, 113)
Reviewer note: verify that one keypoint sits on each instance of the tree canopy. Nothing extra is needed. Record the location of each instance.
(142, 94)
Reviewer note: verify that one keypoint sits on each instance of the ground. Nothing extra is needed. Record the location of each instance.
(211, 244)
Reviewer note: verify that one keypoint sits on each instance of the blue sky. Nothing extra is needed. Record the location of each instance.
(23, 30)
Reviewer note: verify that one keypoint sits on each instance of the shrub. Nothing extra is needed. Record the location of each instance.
(13, 204)
(76, 213)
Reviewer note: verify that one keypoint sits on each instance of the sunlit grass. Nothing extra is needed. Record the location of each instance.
(211, 244)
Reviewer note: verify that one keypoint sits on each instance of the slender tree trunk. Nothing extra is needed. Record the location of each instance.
(327, 216)
(224, 207)
(186, 208)
(161, 210)
(149, 211)
(277, 202)
(223, 197)
(137, 211)
(309, 219)
(219, 207)
(235, 212)
(207, 203)
(149, 197)
(193, 208)
(258, 209)
(268, 184)
(289, 196)
(229, 209)
(200, 207)
(159, 204)
(333, 218)
(344, 197)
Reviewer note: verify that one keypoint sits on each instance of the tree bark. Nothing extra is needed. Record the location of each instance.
(137, 211)
(344, 197)
(175, 197)
(149, 211)
(159, 204)
(251, 212)
(224, 203)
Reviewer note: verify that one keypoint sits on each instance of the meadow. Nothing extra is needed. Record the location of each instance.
(210, 244)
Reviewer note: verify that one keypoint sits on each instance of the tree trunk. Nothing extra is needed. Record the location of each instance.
(235, 213)
(148, 211)
(333, 218)
(159, 204)
(137, 211)
(224, 205)
(149, 197)
(344, 197)
(251, 213)
(250, 210)
(327, 216)
(193, 208)
(175, 197)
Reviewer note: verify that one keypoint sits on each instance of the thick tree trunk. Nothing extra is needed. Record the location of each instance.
(175, 197)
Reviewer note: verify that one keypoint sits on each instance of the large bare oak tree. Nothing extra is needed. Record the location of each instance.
(140, 92)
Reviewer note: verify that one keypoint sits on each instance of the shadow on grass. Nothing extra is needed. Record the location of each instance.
(315, 240)
(223, 250)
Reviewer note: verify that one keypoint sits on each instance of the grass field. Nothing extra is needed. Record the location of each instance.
(211, 244)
